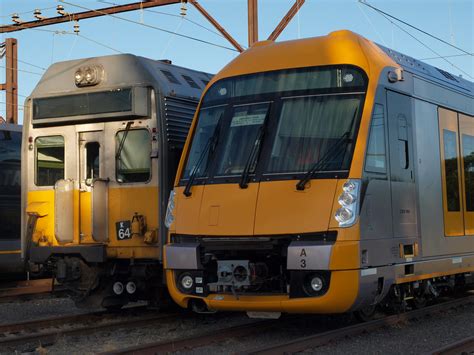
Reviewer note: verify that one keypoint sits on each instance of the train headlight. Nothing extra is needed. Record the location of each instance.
(89, 75)
(343, 215)
(346, 199)
(187, 282)
(317, 284)
(349, 200)
(169, 218)
(78, 77)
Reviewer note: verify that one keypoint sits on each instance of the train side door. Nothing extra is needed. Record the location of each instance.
(404, 211)
(92, 187)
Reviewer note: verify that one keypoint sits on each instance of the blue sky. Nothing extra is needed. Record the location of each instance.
(451, 20)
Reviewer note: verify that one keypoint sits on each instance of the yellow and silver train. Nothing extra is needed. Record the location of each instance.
(324, 175)
(102, 140)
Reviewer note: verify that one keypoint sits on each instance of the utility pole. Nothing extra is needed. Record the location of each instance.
(11, 80)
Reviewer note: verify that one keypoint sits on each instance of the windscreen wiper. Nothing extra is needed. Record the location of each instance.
(210, 148)
(326, 158)
(253, 155)
(122, 141)
(332, 152)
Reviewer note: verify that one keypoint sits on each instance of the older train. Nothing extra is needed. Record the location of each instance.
(324, 175)
(102, 140)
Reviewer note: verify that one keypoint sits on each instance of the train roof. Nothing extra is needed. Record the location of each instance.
(336, 48)
(428, 71)
(123, 70)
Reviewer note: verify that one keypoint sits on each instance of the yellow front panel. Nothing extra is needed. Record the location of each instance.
(188, 209)
(283, 209)
(123, 203)
(42, 203)
(466, 133)
(86, 215)
(228, 210)
(453, 215)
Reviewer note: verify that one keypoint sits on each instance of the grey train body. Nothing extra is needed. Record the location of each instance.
(401, 217)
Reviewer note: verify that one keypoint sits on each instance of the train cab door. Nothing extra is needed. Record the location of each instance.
(404, 211)
(93, 188)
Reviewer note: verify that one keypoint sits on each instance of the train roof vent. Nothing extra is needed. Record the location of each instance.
(447, 75)
(171, 78)
(190, 81)
(205, 82)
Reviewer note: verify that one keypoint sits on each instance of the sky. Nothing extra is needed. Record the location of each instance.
(450, 20)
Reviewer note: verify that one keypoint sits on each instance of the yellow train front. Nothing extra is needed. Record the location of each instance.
(101, 143)
(324, 175)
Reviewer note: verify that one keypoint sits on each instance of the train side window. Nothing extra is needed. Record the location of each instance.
(49, 160)
(376, 157)
(451, 170)
(133, 164)
(468, 157)
(93, 160)
(403, 141)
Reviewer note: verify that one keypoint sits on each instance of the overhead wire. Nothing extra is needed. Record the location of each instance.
(21, 70)
(63, 32)
(388, 18)
(371, 24)
(151, 26)
(363, 2)
(172, 15)
(28, 12)
(446, 56)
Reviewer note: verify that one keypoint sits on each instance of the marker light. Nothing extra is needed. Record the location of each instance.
(169, 218)
(349, 200)
(187, 282)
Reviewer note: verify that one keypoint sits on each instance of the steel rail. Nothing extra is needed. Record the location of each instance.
(50, 337)
(319, 339)
(29, 287)
(42, 323)
(195, 341)
(464, 346)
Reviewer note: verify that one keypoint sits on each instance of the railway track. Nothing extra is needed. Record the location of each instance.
(316, 340)
(23, 289)
(295, 345)
(464, 346)
(46, 332)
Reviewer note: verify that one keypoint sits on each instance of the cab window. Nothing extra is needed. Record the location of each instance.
(376, 160)
(49, 160)
(133, 151)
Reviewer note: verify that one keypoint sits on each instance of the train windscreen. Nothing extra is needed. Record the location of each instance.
(283, 122)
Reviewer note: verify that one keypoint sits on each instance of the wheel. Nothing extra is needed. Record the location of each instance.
(365, 314)
(418, 302)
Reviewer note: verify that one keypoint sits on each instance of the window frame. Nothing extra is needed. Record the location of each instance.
(150, 175)
(375, 170)
(36, 160)
(276, 98)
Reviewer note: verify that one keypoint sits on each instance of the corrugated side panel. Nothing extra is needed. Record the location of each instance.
(179, 113)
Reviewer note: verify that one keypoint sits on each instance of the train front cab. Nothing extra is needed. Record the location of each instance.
(297, 189)
(99, 156)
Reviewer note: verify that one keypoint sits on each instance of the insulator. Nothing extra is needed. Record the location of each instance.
(183, 9)
(76, 27)
(16, 18)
